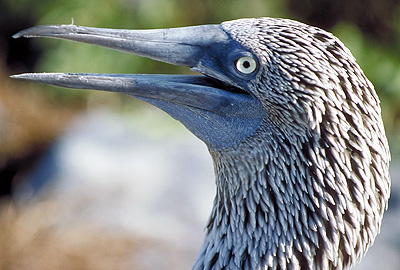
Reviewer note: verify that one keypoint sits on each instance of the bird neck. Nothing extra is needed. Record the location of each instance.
(274, 209)
(256, 206)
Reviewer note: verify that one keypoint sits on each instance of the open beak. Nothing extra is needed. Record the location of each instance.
(197, 47)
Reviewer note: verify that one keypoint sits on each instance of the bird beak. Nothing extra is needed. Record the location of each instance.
(178, 95)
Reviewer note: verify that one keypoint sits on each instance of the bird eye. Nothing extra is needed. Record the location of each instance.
(246, 65)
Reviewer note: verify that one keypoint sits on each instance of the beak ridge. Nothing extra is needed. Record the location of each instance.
(179, 46)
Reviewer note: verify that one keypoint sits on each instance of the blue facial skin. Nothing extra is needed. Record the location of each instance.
(236, 115)
(218, 129)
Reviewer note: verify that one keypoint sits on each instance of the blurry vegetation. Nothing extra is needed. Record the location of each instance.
(371, 29)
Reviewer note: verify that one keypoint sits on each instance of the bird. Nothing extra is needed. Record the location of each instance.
(292, 124)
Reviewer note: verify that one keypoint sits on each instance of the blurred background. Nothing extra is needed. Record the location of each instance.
(92, 180)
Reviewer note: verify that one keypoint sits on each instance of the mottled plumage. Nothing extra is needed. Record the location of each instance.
(307, 187)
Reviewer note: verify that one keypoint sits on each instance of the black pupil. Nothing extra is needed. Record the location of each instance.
(246, 64)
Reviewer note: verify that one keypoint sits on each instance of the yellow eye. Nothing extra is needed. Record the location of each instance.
(246, 65)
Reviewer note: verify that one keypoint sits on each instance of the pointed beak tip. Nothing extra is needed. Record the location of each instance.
(17, 35)
(16, 77)
(41, 31)
(32, 77)
(24, 33)
(23, 76)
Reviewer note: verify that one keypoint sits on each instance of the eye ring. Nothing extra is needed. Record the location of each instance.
(246, 65)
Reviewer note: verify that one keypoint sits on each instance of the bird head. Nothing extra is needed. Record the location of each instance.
(292, 123)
